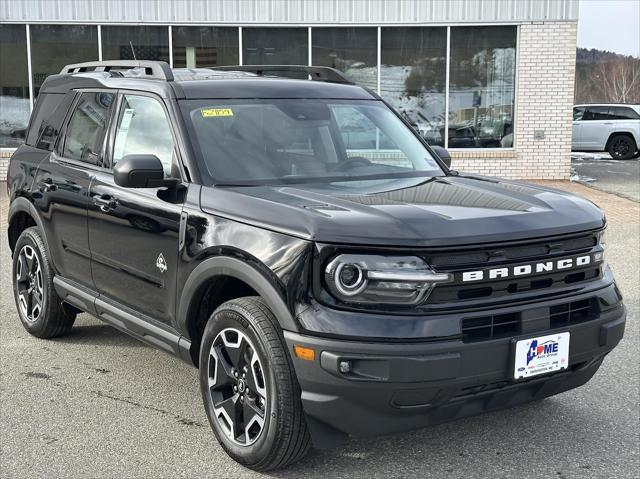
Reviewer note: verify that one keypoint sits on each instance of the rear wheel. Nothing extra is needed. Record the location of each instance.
(249, 389)
(621, 147)
(39, 307)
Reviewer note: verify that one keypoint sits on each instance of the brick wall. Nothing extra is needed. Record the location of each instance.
(4, 163)
(546, 59)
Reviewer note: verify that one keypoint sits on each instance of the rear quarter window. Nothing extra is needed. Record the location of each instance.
(624, 113)
(47, 119)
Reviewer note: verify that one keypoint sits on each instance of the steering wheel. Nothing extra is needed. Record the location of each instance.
(350, 162)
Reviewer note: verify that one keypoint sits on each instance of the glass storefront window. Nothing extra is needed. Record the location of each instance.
(14, 85)
(413, 75)
(482, 87)
(54, 46)
(275, 46)
(350, 50)
(204, 46)
(135, 43)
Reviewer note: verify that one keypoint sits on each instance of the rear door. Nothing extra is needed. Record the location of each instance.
(596, 127)
(63, 182)
(133, 233)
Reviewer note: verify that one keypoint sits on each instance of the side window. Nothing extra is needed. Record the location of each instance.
(86, 129)
(624, 113)
(143, 128)
(578, 112)
(597, 113)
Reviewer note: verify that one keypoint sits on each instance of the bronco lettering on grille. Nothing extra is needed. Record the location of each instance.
(526, 269)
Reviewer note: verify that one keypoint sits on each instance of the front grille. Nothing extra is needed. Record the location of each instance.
(484, 256)
(498, 289)
(498, 326)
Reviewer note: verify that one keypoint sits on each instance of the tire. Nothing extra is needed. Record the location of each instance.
(621, 147)
(271, 387)
(43, 315)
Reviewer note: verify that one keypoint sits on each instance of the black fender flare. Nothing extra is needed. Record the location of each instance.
(21, 204)
(233, 267)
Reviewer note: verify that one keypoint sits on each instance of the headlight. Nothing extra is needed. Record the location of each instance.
(402, 280)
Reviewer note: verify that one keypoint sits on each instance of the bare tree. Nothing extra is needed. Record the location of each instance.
(614, 82)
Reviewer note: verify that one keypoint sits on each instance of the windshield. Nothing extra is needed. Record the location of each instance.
(278, 141)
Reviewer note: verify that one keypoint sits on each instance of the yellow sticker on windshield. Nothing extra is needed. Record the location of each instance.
(208, 112)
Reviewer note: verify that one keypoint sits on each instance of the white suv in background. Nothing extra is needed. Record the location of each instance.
(611, 128)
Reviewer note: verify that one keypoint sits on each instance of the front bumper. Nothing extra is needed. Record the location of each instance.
(396, 387)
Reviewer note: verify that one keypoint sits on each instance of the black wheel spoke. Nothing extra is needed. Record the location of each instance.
(222, 375)
(237, 355)
(250, 410)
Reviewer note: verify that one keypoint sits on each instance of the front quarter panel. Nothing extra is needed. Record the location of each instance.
(274, 264)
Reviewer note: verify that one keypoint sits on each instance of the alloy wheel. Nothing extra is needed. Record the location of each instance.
(29, 283)
(237, 386)
(621, 147)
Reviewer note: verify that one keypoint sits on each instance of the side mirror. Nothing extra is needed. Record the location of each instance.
(141, 171)
(443, 154)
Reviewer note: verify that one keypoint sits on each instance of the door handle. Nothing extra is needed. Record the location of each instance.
(608, 123)
(106, 203)
(47, 185)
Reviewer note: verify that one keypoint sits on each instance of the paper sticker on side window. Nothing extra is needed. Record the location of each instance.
(209, 112)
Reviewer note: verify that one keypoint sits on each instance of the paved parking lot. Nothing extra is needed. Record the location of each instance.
(599, 171)
(99, 404)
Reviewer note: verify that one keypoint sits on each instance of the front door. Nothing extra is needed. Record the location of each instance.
(133, 233)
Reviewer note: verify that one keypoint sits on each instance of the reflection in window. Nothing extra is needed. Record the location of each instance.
(275, 46)
(350, 50)
(482, 87)
(143, 129)
(135, 43)
(86, 129)
(413, 75)
(54, 46)
(204, 46)
(14, 85)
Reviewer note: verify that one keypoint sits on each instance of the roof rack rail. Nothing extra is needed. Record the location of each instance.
(325, 74)
(152, 69)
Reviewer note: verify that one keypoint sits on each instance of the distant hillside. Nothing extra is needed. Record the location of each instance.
(606, 77)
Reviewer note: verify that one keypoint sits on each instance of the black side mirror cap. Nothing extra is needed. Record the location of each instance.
(141, 171)
(443, 154)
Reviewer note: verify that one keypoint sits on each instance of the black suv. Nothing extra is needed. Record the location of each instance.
(288, 233)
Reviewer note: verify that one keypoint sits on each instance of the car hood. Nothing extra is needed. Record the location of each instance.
(441, 211)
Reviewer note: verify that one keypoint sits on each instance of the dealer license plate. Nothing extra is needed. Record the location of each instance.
(544, 354)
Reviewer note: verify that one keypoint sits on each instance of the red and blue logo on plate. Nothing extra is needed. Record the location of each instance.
(537, 350)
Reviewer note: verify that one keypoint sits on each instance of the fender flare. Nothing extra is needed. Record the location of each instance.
(228, 266)
(23, 205)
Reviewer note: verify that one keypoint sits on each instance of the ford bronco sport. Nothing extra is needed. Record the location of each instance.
(290, 235)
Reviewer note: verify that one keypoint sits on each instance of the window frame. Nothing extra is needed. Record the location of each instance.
(57, 153)
(113, 129)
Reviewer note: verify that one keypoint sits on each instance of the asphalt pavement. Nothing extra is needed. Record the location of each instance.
(599, 171)
(97, 403)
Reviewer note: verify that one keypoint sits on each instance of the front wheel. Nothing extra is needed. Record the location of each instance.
(621, 147)
(249, 389)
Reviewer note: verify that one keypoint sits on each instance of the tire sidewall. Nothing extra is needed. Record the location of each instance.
(32, 238)
(231, 316)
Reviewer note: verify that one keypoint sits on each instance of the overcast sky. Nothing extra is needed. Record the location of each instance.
(610, 25)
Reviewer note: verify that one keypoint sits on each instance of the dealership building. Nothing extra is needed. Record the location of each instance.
(491, 80)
